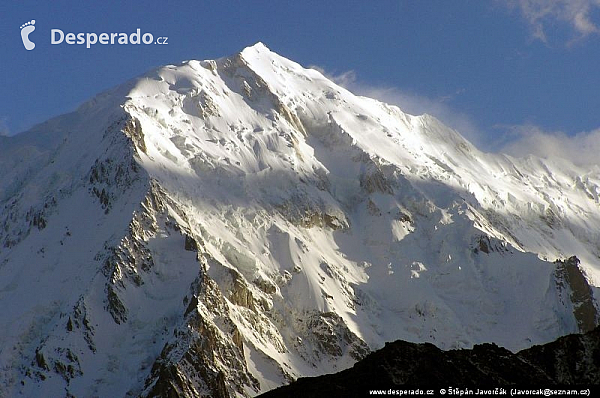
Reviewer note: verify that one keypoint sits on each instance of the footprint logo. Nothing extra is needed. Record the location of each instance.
(26, 29)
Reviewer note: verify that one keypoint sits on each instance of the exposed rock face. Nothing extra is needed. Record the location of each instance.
(205, 359)
(571, 281)
(571, 360)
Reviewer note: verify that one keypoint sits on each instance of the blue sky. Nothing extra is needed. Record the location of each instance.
(503, 72)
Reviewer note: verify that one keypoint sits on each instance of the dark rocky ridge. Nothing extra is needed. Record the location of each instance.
(570, 360)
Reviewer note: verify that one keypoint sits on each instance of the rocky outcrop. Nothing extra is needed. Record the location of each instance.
(133, 130)
(306, 212)
(206, 359)
(332, 338)
(570, 279)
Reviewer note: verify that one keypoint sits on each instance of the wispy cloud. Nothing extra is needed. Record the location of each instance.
(414, 104)
(582, 149)
(543, 16)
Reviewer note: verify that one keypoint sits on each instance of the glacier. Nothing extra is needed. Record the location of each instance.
(223, 227)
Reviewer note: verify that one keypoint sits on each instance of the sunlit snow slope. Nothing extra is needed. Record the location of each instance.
(223, 227)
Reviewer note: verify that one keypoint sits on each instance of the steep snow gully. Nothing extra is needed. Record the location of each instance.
(224, 227)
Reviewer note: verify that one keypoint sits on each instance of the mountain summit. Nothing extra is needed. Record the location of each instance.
(224, 227)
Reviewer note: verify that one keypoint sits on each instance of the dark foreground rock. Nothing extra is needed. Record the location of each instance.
(569, 361)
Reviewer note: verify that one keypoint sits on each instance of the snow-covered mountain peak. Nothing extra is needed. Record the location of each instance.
(273, 90)
(224, 226)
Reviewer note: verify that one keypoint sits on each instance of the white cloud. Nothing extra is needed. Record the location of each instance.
(582, 149)
(543, 15)
(414, 104)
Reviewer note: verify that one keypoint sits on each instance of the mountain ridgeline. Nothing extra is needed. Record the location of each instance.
(224, 227)
(569, 362)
